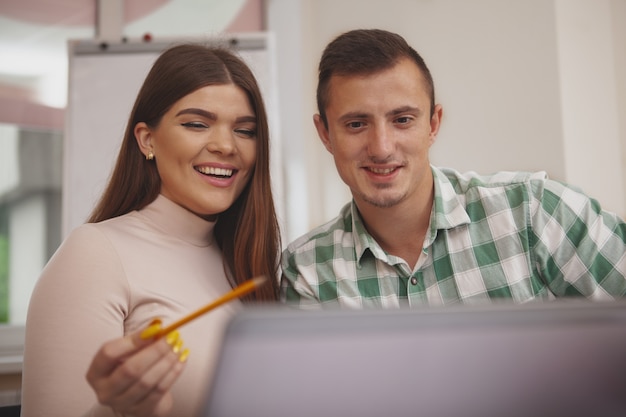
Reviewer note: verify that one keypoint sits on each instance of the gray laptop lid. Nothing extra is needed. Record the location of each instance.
(554, 359)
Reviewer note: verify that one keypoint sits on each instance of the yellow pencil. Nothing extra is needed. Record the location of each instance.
(236, 292)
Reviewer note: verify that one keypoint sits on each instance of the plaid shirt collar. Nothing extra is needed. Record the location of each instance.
(448, 212)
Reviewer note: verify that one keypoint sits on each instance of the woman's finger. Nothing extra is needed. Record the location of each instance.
(115, 351)
(134, 374)
(158, 400)
(141, 373)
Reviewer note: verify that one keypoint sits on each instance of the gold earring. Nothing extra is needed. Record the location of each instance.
(150, 156)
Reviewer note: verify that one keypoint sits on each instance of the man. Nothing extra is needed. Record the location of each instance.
(415, 234)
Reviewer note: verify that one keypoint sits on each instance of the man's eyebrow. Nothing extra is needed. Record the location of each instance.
(394, 112)
(404, 109)
(353, 115)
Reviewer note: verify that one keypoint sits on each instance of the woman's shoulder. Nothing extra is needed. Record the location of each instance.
(106, 229)
(86, 266)
(95, 242)
(86, 242)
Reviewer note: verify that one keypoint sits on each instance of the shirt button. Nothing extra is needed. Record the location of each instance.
(414, 281)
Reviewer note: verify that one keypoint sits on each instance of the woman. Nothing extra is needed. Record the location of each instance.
(187, 214)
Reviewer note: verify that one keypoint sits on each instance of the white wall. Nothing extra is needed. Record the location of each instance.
(618, 26)
(589, 104)
(500, 72)
(9, 158)
(27, 229)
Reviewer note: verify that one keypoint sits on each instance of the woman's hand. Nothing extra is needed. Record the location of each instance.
(134, 374)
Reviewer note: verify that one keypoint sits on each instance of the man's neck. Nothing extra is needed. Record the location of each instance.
(400, 230)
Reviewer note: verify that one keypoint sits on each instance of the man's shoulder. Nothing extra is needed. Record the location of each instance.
(462, 181)
(326, 234)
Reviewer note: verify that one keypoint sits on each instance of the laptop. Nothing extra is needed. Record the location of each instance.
(549, 360)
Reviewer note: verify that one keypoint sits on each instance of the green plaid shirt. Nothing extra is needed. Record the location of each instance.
(510, 235)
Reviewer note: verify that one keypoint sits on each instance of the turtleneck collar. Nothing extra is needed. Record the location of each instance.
(177, 221)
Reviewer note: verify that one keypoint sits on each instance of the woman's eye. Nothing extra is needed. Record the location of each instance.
(194, 125)
(246, 132)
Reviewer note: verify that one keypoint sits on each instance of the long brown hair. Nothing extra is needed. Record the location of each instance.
(247, 232)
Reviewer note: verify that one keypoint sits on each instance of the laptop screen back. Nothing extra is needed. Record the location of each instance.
(555, 359)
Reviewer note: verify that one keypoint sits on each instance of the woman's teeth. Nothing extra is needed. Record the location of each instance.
(220, 172)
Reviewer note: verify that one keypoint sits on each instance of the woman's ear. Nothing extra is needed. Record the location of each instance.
(143, 135)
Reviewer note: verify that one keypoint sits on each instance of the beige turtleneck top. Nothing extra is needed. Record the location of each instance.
(112, 278)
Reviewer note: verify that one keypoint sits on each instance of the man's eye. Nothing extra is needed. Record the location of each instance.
(355, 125)
(194, 125)
(403, 120)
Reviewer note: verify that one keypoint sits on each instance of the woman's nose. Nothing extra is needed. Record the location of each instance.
(221, 140)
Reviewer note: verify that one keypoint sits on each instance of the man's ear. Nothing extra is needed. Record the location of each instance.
(322, 132)
(143, 135)
(435, 123)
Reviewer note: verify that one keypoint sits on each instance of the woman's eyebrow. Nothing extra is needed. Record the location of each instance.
(213, 116)
(199, 112)
(246, 119)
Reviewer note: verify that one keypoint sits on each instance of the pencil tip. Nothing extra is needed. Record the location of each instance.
(260, 280)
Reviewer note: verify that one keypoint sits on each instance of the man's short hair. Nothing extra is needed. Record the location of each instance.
(364, 52)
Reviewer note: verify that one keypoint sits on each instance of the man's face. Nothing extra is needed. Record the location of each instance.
(380, 132)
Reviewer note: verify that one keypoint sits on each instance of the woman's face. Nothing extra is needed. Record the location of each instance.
(204, 148)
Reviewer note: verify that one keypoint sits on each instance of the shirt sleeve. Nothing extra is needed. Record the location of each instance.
(579, 248)
(294, 289)
(79, 302)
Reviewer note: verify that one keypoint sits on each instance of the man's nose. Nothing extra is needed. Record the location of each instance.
(381, 145)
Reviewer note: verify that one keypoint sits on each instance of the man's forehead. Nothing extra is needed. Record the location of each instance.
(395, 88)
(403, 63)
